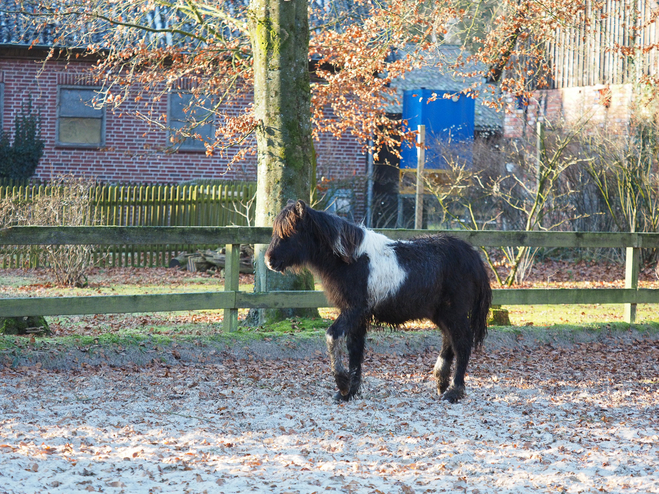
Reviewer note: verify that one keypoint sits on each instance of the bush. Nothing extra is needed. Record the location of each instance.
(66, 202)
(19, 160)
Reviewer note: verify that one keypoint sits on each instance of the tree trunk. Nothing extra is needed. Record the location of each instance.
(286, 160)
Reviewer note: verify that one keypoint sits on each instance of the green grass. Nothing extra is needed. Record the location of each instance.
(293, 326)
(165, 336)
(121, 329)
(552, 315)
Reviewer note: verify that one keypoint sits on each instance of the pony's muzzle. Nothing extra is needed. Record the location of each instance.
(272, 266)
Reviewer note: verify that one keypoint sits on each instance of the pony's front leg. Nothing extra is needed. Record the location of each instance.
(336, 349)
(355, 343)
(345, 332)
(336, 344)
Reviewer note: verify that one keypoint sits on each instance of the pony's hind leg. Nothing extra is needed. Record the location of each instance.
(456, 390)
(442, 370)
(457, 335)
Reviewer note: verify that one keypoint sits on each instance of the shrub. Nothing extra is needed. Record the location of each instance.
(66, 202)
(19, 160)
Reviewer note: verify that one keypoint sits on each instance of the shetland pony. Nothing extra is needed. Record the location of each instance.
(372, 278)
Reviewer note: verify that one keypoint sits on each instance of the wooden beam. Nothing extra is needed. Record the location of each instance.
(491, 238)
(571, 296)
(115, 304)
(282, 300)
(133, 235)
(52, 306)
(113, 235)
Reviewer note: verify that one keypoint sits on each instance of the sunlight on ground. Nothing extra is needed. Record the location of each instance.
(549, 315)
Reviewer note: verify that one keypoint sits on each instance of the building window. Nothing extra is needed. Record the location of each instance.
(188, 117)
(79, 123)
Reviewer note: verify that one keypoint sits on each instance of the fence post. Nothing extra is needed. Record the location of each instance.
(631, 279)
(420, 185)
(231, 283)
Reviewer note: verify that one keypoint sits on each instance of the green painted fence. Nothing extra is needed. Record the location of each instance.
(145, 205)
(232, 299)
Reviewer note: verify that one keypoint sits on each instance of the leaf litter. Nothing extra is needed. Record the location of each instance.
(537, 418)
(580, 417)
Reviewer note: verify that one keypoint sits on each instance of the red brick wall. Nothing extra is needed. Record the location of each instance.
(135, 151)
(606, 107)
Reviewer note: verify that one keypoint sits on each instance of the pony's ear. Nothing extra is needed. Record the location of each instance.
(300, 208)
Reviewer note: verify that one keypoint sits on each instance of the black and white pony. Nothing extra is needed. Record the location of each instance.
(370, 277)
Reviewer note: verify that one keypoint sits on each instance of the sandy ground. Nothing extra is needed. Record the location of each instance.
(582, 418)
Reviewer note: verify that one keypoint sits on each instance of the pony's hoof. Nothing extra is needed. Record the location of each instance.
(341, 398)
(442, 386)
(342, 382)
(453, 395)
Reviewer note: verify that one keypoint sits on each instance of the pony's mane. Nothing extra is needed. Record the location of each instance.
(338, 234)
(285, 223)
(333, 232)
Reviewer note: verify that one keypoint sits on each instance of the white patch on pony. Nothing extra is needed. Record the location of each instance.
(337, 350)
(385, 274)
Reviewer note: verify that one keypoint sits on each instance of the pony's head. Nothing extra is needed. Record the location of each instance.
(289, 247)
(301, 234)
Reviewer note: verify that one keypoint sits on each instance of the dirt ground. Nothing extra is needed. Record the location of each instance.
(550, 417)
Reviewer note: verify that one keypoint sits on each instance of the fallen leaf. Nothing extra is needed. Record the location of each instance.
(406, 489)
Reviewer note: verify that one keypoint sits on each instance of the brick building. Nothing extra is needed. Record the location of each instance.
(607, 107)
(114, 147)
(599, 67)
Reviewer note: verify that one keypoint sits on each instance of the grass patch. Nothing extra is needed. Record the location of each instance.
(554, 315)
(119, 329)
(608, 327)
(293, 325)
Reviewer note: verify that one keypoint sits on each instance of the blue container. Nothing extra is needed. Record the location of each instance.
(447, 120)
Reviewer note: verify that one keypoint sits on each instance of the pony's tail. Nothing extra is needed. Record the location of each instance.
(480, 311)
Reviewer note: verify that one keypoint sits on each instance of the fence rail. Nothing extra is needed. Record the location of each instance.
(232, 299)
(84, 235)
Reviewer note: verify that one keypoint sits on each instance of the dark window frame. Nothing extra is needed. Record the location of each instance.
(78, 145)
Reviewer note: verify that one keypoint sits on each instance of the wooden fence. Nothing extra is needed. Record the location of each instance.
(231, 298)
(145, 205)
(585, 54)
